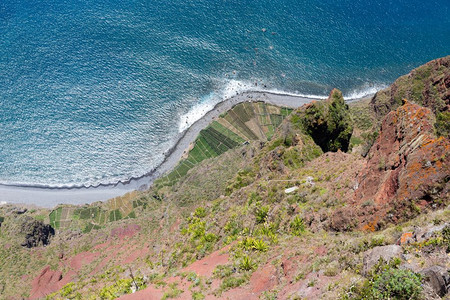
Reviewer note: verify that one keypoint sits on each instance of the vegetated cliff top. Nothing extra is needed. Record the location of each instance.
(427, 85)
(290, 214)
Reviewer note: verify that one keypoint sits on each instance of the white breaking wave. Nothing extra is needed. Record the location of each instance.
(234, 87)
(366, 90)
(231, 88)
(196, 113)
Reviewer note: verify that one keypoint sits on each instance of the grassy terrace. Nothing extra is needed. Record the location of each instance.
(244, 122)
(95, 216)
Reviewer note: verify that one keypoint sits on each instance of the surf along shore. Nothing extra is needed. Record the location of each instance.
(49, 197)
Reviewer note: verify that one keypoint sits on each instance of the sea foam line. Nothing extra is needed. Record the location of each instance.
(234, 87)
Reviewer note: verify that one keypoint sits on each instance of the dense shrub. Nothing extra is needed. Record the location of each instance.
(329, 123)
(397, 284)
(387, 281)
(261, 214)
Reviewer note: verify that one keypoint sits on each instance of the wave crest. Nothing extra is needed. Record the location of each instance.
(234, 87)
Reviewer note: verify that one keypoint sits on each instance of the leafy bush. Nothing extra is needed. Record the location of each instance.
(121, 287)
(297, 226)
(232, 282)
(446, 237)
(173, 292)
(397, 284)
(386, 281)
(250, 243)
(247, 264)
(200, 212)
(242, 179)
(197, 296)
(261, 214)
(442, 124)
(222, 271)
(260, 245)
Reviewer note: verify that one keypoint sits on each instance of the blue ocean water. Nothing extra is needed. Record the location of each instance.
(96, 91)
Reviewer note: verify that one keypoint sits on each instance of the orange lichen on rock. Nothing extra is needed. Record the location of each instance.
(371, 226)
(406, 238)
(406, 165)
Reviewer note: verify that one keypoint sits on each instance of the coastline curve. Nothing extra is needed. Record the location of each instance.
(51, 195)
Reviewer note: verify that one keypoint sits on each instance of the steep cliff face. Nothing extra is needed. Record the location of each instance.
(407, 168)
(427, 85)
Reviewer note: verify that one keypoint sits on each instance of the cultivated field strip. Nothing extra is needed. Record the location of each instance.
(247, 121)
(94, 216)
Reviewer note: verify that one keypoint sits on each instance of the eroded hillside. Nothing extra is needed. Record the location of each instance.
(288, 215)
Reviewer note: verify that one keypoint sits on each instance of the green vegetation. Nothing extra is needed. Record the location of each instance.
(173, 292)
(297, 226)
(443, 124)
(121, 287)
(197, 296)
(247, 264)
(244, 122)
(89, 217)
(387, 281)
(397, 284)
(55, 217)
(422, 85)
(225, 210)
(250, 243)
(232, 282)
(329, 123)
(261, 214)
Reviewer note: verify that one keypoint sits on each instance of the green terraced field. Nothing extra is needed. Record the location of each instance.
(95, 216)
(247, 121)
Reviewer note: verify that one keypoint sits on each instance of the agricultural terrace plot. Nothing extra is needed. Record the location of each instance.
(95, 216)
(55, 217)
(244, 122)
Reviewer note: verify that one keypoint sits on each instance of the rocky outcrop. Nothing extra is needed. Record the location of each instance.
(438, 278)
(36, 233)
(386, 253)
(407, 170)
(427, 85)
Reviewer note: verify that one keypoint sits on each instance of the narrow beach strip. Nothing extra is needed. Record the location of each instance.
(51, 196)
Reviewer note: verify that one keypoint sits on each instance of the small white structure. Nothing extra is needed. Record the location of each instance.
(291, 189)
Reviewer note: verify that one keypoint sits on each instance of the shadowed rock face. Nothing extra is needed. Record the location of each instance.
(438, 278)
(407, 170)
(37, 233)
